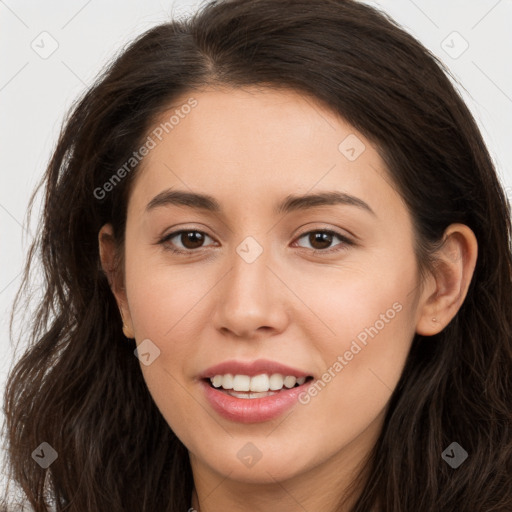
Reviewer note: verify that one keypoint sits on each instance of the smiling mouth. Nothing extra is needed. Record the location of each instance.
(231, 390)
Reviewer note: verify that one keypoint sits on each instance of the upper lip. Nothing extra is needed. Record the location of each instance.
(251, 368)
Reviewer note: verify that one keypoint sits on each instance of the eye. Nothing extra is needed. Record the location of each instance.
(321, 239)
(189, 238)
(192, 239)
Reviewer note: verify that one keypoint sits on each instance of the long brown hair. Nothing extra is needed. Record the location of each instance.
(78, 386)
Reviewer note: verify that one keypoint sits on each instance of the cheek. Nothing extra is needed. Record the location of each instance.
(367, 326)
(361, 302)
(161, 294)
(165, 305)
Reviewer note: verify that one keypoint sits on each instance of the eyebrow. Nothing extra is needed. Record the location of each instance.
(290, 203)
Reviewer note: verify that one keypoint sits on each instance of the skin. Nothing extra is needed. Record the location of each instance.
(250, 148)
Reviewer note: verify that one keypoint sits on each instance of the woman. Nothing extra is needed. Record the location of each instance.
(287, 213)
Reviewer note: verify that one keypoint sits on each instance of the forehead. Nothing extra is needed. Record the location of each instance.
(258, 142)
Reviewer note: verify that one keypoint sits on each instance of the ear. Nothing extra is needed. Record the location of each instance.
(446, 288)
(110, 265)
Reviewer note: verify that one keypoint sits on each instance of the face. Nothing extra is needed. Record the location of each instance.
(327, 288)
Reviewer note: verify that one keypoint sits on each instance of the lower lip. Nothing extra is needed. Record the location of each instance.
(252, 410)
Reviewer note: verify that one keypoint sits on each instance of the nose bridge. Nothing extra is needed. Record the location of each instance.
(249, 275)
(248, 298)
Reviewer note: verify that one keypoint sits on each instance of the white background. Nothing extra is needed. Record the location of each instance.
(35, 92)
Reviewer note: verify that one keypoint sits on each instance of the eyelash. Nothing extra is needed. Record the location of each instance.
(346, 242)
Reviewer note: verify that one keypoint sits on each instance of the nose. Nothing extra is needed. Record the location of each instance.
(251, 299)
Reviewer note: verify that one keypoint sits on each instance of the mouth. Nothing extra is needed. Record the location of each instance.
(253, 398)
(258, 386)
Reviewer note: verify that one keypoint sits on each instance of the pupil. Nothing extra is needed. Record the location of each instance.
(324, 238)
(190, 236)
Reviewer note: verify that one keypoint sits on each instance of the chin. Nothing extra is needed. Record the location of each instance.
(267, 470)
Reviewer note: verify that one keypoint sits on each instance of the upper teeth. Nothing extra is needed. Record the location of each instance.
(259, 383)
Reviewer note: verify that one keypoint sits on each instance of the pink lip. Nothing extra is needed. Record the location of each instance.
(252, 410)
(251, 369)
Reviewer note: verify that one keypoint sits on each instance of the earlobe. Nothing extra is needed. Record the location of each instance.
(454, 268)
(109, 264)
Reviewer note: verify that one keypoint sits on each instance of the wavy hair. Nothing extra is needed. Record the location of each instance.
(78, 386)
